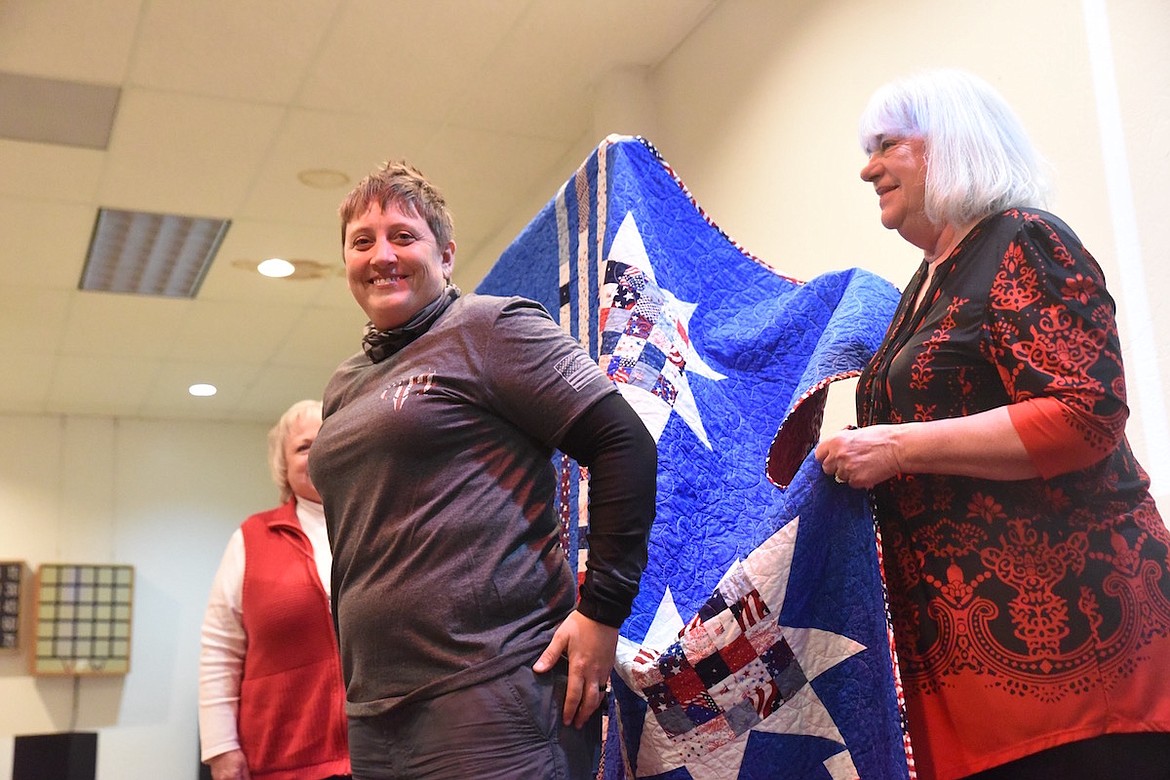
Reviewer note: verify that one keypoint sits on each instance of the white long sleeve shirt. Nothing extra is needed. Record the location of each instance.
(223, 642)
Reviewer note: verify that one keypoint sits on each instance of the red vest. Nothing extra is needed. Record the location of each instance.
(292, 722)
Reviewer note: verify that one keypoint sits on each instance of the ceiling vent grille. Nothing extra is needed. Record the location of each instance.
(151, 254)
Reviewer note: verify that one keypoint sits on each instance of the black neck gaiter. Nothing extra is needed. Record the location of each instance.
(381, 344)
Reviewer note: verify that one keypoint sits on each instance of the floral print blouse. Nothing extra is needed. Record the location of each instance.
(1022, 610)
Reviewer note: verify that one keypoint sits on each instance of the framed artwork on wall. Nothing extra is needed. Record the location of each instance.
(81, 619)
(11, 590)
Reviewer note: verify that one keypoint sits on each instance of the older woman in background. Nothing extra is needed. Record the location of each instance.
(271, 704)
(1026, 562)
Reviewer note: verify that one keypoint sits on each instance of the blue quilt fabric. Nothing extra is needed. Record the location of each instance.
(758, 646)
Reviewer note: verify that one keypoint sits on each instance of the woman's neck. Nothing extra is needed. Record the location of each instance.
(945, 242)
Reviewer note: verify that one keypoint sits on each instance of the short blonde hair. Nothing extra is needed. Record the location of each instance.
(278, 435)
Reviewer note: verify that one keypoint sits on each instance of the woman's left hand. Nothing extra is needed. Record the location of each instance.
(861, 457)
(591, 648)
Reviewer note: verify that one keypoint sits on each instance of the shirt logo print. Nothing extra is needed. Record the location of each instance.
(419, 384)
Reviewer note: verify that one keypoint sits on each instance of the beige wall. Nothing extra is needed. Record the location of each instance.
(756, 112)
(162, 497)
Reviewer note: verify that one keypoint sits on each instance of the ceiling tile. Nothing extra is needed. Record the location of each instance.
(280, 387)
(184, 154)
(49, 172)
(245, 51)
(32, 319)
(99, 384)
(57, 111)
(322, 338)
(540, 81)
(124, 326)
(308, 140)
(167, 394)
(233, 275)
(403, 57)
(233, 333)
(46, 242)
(24, 381)
(492, 157)
(90, 41)
(334, 295)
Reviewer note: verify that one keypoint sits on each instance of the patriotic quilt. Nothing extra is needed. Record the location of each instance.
(759, 643)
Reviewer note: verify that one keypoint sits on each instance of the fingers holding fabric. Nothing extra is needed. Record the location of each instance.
(859, 457)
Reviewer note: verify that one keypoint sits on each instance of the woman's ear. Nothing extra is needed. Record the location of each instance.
(448, 261)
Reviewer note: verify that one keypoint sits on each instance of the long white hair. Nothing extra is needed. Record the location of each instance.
(979, 159)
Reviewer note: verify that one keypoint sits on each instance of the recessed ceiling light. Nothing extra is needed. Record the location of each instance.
(150, 254)
(202, 390)
(302, 269)
(323, 178)
(276, 268)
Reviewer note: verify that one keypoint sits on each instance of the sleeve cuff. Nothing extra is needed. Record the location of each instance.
(1053, 436)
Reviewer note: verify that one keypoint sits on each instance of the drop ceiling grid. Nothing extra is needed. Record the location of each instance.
(222, 105)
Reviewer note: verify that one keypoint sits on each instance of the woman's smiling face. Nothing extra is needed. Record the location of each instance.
(393, 263)
(897, 170)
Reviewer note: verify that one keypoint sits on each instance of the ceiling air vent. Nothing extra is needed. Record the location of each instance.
(150, 254)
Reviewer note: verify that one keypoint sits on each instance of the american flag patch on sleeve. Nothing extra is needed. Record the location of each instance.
(578, 369)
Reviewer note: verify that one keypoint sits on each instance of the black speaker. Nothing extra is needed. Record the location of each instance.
(71, 755)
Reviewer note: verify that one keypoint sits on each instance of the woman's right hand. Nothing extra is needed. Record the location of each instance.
(229, 766)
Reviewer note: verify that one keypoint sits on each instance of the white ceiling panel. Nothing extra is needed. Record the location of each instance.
(126, 326)
(282, 386)
(31, 320)
(515, 94)
(322, 337)
(486, 157)
(334, 295)
(234, 333)
(36, 171)
(167, 396)
(45, 242)
(351, 144)
(233, 275)
(185, 154)
(395, 58)
(25, 381)
(89, 42)
(99, 384)
(242, 50)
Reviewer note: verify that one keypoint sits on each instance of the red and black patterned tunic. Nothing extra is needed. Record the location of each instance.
(1035, 612)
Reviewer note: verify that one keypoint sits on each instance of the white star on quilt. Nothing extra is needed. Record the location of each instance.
(672, 329)
(716, 754)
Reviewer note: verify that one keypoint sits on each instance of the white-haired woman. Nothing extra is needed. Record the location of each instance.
(1026, 562)
(271, 703)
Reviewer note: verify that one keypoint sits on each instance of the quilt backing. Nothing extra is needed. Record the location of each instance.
(759, 643)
